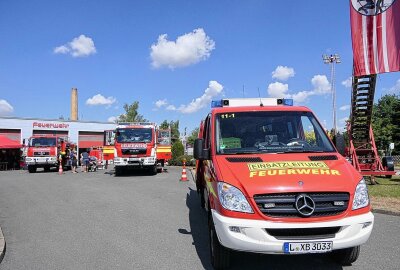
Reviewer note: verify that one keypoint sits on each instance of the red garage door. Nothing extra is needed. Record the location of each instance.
(88, 139)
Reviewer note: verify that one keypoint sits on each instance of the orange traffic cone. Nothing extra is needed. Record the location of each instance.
(184, 176)
(60, 169)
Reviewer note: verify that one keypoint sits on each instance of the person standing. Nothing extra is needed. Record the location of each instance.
(85, 161)
(74, 161)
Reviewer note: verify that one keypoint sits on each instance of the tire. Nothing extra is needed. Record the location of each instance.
(31, 169)
(118, 171)
(388, 164)
(340, 144)
(220, 255)
(153, 169)
(346, 256)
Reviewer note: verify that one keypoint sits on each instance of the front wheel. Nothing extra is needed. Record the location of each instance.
(31, 169)
(346, 256)
(153, 169)
(118, 171)
(220, 255)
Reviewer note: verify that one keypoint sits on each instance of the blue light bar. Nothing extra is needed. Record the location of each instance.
(288, 101)
(216, 103)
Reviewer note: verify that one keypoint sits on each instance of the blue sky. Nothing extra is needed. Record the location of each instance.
(172, 56)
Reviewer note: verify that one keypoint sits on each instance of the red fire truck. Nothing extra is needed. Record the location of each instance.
(47, 151)
(272, 182)
(108, 148)
(135, 147)
(164, 153)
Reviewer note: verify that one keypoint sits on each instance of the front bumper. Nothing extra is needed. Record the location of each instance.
(253, 237)
(135, 162)
(41, 161)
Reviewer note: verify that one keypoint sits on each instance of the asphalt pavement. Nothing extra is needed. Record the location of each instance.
(137, 221)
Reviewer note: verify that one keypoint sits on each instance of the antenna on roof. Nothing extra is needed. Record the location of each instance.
(259, 95)
(243, 90)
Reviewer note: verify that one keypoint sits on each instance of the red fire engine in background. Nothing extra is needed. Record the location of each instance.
(164, 153)
(108, 148)
(47, 151)
(135, 147)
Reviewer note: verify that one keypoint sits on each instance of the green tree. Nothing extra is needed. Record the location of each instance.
(131, 113)
(177, 149)
(164, 125)
(386, 122)
(193, 136)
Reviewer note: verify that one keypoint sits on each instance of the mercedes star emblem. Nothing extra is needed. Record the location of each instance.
(305, 205)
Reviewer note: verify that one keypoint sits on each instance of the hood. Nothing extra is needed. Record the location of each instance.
(285, 173)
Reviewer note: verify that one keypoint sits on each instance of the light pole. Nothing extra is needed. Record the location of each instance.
(332, 60)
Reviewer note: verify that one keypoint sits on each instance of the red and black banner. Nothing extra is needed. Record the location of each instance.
(375, 32)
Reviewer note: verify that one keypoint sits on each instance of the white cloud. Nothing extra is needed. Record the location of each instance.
(301, 96)
(100, 100)
(283, 73)
(160, 103)
(61, 49)
(5, 108)
(79, 47)
(278, 90)
(347, 83)
(170, 108)
(344, 107)
(188, 49)
(112, 119)
(395, 89)
(214, 89)
(320, 83)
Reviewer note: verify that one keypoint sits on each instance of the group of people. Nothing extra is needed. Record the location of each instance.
(85, 161)
(11, 157)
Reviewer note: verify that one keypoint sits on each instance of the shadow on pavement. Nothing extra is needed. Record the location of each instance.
(244, 260)
(198, 228)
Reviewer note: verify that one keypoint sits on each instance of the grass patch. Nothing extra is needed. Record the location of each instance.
(385, 187)
(385, 195)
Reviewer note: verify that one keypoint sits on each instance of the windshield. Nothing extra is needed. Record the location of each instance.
(134, 135)
(164, 137)
(43, 142)
(270, 132)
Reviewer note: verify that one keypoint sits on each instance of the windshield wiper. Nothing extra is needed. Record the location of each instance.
(302, 151)
(240, 153)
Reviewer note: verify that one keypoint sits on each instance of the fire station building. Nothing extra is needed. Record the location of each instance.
(85, 134)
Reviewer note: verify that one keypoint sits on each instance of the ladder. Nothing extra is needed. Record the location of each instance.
(363, 150)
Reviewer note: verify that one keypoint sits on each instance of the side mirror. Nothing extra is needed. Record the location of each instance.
(198, 149)
(198, 152)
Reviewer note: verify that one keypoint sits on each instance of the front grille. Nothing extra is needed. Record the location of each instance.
(244, 159)
(41, 154)
(303, 233)
(133, 151)
(316, 158)
(283, 204)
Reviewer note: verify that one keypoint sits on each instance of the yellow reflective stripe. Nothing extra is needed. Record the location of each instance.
(163, 150)
(210, 187)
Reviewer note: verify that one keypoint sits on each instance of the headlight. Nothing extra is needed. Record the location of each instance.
(232, 198)
(361, 198)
